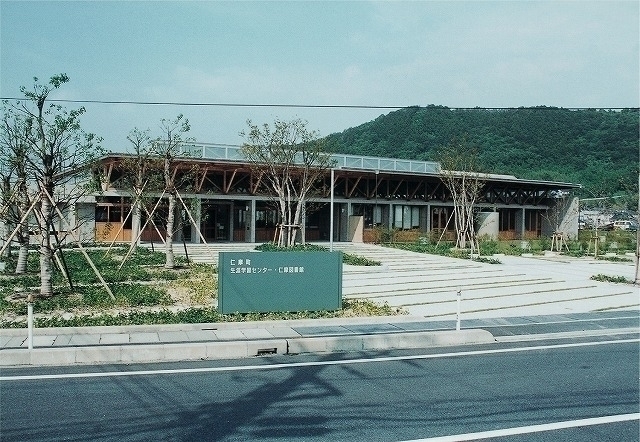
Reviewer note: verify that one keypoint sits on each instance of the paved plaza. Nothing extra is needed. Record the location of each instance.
(426, 285)
(519, 297)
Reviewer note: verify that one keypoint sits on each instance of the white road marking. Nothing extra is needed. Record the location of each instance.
(533, 428)
(307, 364)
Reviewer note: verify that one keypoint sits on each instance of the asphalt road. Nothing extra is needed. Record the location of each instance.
(580, 390)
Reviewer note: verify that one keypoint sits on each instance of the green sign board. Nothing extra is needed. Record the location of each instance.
(279, 281)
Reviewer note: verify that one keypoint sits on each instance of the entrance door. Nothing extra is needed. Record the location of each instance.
(215, 222)
(240, 222)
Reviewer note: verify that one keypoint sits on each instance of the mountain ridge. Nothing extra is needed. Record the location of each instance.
(598, 149)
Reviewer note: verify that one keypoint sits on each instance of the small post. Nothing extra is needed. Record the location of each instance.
(333, 173)
(30, 321)
(459, 298)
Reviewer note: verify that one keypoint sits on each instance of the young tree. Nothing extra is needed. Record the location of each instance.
(13, 173)
(564, 210)
(138, 172)
(167, 147)
(292, 159)
(58, 160)
(460, 174)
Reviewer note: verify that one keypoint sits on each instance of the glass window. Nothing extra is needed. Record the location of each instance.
(365, 211)
(406, 217)
(115, 214)
(397, 217)
(507, 220)
(102, 214)
(415, 216)
(266, 217)
(377, 215)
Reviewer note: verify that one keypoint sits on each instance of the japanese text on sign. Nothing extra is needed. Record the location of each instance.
(244, 266)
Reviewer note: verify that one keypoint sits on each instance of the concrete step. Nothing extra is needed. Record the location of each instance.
(426, 285)
(539, 305)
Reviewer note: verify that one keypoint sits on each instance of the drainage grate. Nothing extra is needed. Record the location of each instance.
(267, 351)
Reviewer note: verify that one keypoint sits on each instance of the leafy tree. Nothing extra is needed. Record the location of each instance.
(460, 173)
(167, 147)
(139, 176)
(292, 159)
(14, 198)
(59, 154)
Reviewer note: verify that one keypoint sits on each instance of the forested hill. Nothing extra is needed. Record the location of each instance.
(598, 149)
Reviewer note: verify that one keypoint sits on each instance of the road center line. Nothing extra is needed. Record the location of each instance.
(310, 363)
(533, 428)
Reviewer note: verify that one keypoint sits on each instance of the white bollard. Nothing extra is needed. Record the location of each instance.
(459, 298)
(30, 322)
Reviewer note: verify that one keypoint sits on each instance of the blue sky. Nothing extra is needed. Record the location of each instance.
(455, 53)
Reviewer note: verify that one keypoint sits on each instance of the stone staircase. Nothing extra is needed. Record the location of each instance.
(426, 285)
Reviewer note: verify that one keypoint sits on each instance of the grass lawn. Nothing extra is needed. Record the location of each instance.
(145, 293)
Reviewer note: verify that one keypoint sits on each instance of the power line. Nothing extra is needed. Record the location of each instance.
(177, 103)
(311, 106)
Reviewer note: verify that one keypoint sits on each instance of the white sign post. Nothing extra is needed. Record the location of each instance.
(30, 321)
(459, 298)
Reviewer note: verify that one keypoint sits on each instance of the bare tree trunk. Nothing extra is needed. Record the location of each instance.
(283, 217)
(135, 220)
(296, 222)
(46, 285)
(461, 226)
(23, 233)
(3, 231)
(170, 257)
(23, 253)
(135, 225)
(5, 222)
(288, 219)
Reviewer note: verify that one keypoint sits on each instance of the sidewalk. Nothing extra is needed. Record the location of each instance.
(180, 342)
(64, 346)
(523, 298)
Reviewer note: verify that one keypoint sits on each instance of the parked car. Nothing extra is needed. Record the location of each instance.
(625, 225)
(606, 226)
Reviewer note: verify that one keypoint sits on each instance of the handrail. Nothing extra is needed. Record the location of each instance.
(343, 161)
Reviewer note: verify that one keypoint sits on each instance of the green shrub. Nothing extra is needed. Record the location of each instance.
(489, 247)
(617, 279)
(346, 257)
(487, 260)
(444, 249)
(356, 260)
(386, 235)
(144, 256)
(134, 295)
(270, 247)
(542, 244)
(201, 281)
(24, 282)
(614, 258)
(350, 308)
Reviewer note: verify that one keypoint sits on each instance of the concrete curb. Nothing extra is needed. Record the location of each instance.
(126, 354)
(389, 341)
(132, 353)
(269, 325)
(569, 335)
